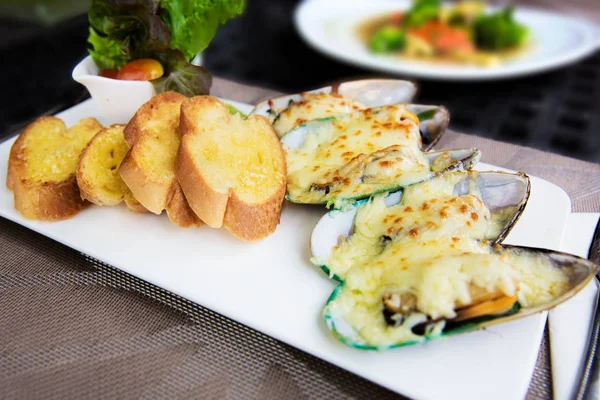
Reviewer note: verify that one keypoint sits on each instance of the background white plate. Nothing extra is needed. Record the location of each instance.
(557, 40)
(272, 287)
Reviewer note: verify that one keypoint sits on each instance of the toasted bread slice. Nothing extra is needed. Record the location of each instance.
(148, 169)
(41, 168)
(98, 170)
(231, 170)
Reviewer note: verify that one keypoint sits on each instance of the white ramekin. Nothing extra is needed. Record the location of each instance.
(117, 100)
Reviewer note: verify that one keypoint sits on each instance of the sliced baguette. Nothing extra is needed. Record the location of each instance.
(148, 169)
(231, 170)
(98, 170)
(41, 168)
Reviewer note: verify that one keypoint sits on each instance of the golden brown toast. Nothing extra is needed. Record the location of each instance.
(41, 168)
(231, 170)
(98, 170)
(148, 169)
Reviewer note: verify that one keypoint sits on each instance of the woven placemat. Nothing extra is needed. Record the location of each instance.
(74, 327)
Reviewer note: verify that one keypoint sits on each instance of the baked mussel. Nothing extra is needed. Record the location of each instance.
(427, 262)
(412, 303)
(288, 111)
(477, 205)
(352, 156)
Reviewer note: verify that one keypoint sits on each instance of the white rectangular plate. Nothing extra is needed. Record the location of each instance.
(272, 287)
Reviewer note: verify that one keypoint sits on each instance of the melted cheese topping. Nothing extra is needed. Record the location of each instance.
(357, 154)
(376, 225)
(540, 281)
(439, 284)
(426, 255)
(312, 106)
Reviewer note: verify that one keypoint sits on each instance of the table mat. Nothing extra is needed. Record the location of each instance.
(73, 327)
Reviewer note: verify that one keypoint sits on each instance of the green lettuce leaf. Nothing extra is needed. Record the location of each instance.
(181, 76)
(107, 53)
(193, 23)
(131, 26)
(233, 110)
(125, 30)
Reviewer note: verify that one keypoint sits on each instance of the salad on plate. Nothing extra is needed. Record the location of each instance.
(461, 33)
(157, 40)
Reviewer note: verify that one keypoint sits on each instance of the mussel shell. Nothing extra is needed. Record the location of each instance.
(370, 92)
(373, 93)
(498, 191)
(582, 272)
(433, 122)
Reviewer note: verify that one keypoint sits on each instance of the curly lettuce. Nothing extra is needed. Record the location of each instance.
(170, 31)
(107, 53)
(193, 23)
(131, 26)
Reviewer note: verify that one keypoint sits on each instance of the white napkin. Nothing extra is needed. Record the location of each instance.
(569, 323)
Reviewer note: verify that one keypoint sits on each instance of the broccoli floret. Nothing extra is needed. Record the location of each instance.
(422, 11)
(387, 39)
(499, 31)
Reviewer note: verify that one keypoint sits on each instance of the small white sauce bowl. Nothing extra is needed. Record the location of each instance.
(117, 100)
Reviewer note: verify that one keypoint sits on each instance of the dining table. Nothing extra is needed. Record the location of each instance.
(74, 327)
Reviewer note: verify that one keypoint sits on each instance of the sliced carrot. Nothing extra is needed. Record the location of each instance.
(443, 37)
(492, 307)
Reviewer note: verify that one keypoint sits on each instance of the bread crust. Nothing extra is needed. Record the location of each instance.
(154, 196)
(133, 205)
(179, 210)
(208, 204)
(47, 201)
(249, 222)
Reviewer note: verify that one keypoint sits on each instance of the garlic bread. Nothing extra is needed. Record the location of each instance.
(232, 170)
(148, 168)
(41, 168)
(98, 170)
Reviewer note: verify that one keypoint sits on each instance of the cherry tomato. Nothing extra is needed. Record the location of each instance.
(109, 73)
(144, 69)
